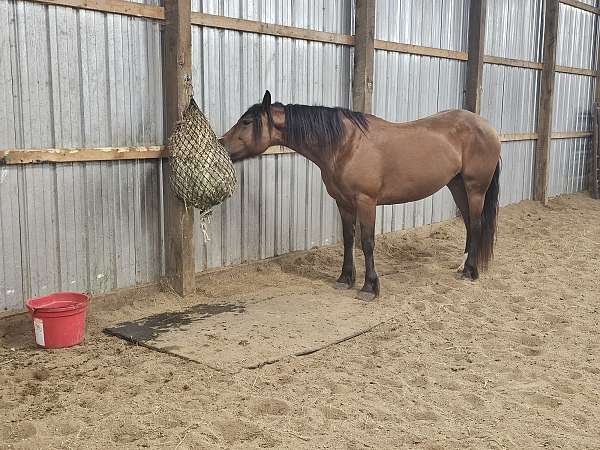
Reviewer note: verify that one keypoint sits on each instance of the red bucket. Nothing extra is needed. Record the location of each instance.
(59, 319)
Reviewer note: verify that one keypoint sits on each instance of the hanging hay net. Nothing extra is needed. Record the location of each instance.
(202, 174)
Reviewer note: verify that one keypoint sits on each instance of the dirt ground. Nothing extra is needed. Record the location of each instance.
(511, 361)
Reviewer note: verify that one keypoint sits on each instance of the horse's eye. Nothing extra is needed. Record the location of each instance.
(246, 122)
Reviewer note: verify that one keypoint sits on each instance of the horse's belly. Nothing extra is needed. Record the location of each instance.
(401, 185)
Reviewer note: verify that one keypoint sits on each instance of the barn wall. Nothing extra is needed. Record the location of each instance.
(408, 87)
(75, 78)
(282, 204)
(573, 99)
(511, 94)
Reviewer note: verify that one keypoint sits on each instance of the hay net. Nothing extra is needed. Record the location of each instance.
(202, 174)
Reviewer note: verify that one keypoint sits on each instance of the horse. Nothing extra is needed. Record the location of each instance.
(367, 161)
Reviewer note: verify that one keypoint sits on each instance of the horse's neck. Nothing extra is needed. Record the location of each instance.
(317, 155)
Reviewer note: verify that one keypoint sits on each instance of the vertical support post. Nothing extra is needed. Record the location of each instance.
(593, 168)
(364, 56)
(473, 92)
(544, 128)
(177, 71)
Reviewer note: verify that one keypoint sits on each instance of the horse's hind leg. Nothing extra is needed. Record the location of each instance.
(348, 276)
(476, 201)
(459, 193)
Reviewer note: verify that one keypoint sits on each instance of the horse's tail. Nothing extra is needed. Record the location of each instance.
(488, 221)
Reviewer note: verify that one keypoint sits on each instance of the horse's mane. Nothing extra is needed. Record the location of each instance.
(314, 125)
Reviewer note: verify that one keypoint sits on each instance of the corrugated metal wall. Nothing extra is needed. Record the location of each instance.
(282, 204)
(511, 94)
(574, 96)
(75, 78)
(408, 87)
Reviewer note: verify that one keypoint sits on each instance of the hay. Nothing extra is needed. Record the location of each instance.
(202, 174)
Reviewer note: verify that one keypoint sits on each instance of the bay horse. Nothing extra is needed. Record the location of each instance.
(366, 161)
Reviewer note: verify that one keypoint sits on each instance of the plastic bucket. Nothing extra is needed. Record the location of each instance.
(59, 319)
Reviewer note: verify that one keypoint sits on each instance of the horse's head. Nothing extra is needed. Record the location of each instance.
(257, 129)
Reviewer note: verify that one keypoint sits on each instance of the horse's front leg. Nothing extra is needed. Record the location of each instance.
(348, 276)
(366, 209)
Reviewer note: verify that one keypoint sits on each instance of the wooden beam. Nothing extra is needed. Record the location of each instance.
(112, 6)
(477, 17)
(512, 62)
(251, 26)
(544, 129)
(581, 5)
(512, 137)
(577, 71)
(177, 72)
(69, 155)
(572, 134)
(362, 80)
(364, 54)
(537, 66)
(420, 50)
(594, 153)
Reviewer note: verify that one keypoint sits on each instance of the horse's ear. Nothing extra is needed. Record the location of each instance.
(266, 101)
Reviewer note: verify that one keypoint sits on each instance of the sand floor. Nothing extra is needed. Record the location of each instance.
(511, 361)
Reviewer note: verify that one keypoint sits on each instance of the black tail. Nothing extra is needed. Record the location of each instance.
(488, 221)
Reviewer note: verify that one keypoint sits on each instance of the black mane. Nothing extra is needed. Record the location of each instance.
(314, 125)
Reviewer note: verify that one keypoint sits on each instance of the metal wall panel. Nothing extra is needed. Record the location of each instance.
(516, 176)
(514, 29)
(510, 98)
(282, 204)
(78, 226)
(567, 165)
(334, 16)
(431, 23)
(573, 100)
(408, 87)
(76, 78)
(575, 42)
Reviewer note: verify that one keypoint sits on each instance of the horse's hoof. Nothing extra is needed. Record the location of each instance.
(342, 286)
(366, 296)
(469, 274)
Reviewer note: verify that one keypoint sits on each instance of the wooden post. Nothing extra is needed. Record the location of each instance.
(594, 159)
(477, 16)
(177, 72)
(364, 55)
(544, 130)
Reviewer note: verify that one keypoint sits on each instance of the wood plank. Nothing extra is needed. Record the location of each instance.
(512, 62)
(420, 50)
(112, 6)
(66, 155)
(572, 134)
(544, 129)
(69, 155)
(577, 71)
(179, 221)
(537, 66)
(511, 137)
(364, 55)
(251, 26)
(362, 80)
(477, 17)
(581, 5)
